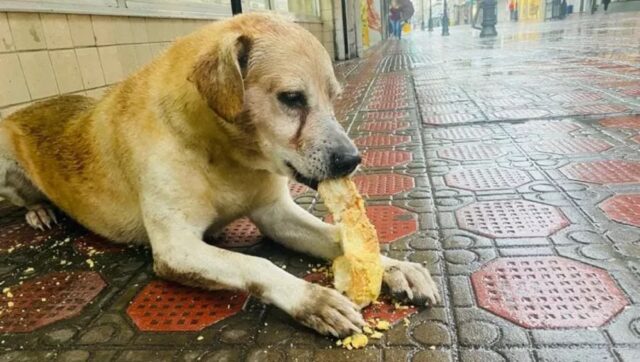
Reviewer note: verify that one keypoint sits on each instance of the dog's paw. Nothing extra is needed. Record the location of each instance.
(329, 312)
(410, 282)
(40, 217)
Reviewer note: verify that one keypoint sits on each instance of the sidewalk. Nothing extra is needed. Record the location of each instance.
(510, 165)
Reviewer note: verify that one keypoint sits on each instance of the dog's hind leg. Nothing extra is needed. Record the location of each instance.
(16, 187)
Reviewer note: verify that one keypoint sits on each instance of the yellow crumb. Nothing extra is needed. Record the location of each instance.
(383, 325)
(359, 341)
(376, 335)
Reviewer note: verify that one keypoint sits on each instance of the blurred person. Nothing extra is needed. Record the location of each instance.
(606, 3)
(395, 18)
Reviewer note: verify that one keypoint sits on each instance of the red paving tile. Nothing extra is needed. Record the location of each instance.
(568, 146)
(481, 179)
(383, 126)
(472, 152)
(632, 122)
(387, 104)
(386, 116)
(168, 307)
(548, 292)
(241, 233)
(623, 208)
(511, 219)
(603, 172)
(383, 184)
(297, 189)
(90, 243)
(18, 234)
(50, 298)
(381, 140)
(376, 158)
(391, 222)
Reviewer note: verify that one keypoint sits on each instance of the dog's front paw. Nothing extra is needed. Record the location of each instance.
(410, 281)
(328, 312)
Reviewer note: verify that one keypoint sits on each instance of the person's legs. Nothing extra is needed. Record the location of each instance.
(396, 26)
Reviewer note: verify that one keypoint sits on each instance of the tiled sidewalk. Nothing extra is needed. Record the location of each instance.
(510, 165)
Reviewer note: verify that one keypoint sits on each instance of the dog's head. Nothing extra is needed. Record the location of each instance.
(274, 80)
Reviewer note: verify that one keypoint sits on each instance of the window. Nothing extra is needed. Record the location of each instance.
(199, 9)
(309, 8)
(255, 5)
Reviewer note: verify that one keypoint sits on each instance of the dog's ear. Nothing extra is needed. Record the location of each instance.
(219, 74)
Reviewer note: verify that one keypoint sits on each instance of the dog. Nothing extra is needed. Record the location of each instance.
(209, 131)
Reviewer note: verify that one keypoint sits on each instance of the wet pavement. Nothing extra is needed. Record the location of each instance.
(510, 165)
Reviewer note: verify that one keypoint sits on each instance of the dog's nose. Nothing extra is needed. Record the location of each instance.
(343, 162)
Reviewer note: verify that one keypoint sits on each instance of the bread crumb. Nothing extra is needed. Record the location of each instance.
(359, 341)
(353, 342)
(376, 335)
(200, 338)
(383, 325)
(90, 262)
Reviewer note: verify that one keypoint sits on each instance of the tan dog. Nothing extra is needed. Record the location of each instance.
(208, 132)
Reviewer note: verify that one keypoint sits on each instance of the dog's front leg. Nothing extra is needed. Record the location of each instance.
(287, 223)
(180, 255)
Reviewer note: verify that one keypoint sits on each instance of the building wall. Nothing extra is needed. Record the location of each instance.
(44, 55)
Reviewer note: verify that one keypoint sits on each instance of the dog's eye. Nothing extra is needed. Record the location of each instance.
(293, 99)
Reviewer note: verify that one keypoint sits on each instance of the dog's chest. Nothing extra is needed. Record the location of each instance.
(238, 192)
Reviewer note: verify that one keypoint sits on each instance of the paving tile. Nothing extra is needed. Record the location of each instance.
(511, 218)
(623, 208)
(604, 172)
(241, 233)
(44, 300)
(548, 292)
(163, 306)
(573, 354)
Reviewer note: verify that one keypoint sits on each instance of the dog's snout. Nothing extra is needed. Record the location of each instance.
(344, 161)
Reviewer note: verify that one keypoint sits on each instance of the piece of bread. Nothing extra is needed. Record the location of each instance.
(357, 273)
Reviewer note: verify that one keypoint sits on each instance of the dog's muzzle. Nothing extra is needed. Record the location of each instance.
(343, 161)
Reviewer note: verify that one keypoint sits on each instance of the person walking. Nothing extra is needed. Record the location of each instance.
(512, 9)
(606, 3)
(395, 17)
